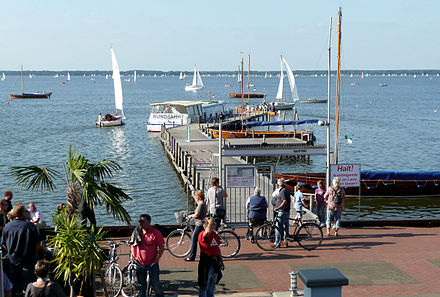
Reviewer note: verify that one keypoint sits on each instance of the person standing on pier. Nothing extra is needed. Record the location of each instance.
(198, 216)
(335, 197)
(320, 203)
(147, 249)
(299, 203)
(216, 202)
(283, 208)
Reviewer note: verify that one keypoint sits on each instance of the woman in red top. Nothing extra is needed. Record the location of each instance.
(211, 264)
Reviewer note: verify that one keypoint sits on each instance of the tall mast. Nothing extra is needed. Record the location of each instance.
(249, 79)
(22, 91)
(338, 85)
(242, 94)
(327, 175)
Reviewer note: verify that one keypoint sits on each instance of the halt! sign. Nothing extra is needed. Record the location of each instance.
(349, 175)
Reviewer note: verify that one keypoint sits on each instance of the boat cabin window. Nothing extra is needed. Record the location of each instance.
(180, 108)
(160, 108)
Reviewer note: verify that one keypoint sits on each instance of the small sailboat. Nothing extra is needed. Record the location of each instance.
(181, 76)
(117, 118)
(68, 76)
(134, 77)
(35, 95)
(279, 103)
(3, 76)
(30, 76)
(197, 83)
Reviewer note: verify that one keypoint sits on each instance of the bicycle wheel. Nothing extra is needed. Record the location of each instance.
(230, 243)
(129, 286)
(265, 237)
(309, 236)
(113, 280)
(179, 243)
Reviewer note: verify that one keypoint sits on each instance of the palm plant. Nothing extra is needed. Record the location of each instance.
(86, 183)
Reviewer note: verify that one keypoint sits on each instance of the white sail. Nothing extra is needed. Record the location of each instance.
(281, 84)
(181, 75)
(291, 79)
(194, 83)
(199, 82)
(3, 76)
(134, 77)
(117, 83)
(68, 76)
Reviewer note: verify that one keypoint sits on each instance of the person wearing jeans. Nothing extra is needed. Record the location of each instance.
(147, 249)
(198, 216)
(283, 208)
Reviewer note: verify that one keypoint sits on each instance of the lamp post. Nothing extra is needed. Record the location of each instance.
(220, 117)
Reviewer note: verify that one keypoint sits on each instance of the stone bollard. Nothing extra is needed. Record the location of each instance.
(293, 283)
(326, 282)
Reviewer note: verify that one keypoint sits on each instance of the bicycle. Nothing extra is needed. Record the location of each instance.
(308, 234)
(123, 281)
(178, 242)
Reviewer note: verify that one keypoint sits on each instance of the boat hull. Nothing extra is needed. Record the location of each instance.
(251, 95)
(257, 134)
(313, 100)
(284, 106)
(119, 121)
(369, 187)
(193, 88)
(39, 95)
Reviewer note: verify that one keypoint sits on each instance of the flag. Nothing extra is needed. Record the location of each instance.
(348, 138)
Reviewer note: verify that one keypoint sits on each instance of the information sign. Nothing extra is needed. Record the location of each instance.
(240, 176)
(349, 174)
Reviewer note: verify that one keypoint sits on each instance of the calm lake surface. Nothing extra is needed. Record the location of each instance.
(395, 127)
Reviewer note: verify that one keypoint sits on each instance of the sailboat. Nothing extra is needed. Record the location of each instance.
(181, 76)
(35, 95)
(3, 76)
(280, 104)
(134, 77)
(118, 117)
(197, 83)
(68, 76)
(247, 95)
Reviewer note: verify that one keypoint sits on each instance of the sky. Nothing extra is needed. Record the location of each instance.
(176, 34)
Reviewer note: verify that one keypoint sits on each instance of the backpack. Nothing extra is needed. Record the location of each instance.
(338, 197)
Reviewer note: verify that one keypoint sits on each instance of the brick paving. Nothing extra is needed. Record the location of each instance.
(378, 261)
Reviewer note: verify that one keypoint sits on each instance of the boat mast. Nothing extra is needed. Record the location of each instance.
(242, 94)
(338, 85)
(327, 175)
(249, 79)
(22, 90)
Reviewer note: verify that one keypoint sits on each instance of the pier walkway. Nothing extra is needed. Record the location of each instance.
(378, 261)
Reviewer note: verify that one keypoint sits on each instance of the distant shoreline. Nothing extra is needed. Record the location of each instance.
(409, 72)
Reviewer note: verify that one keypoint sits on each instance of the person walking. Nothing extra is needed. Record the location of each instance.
(320, 203)
(43, 287)
(216, 201)
(334, 197)
(283, 208)
(198, 216)
(21, 241)
(147, 249)
(256, 206)
(211, 263)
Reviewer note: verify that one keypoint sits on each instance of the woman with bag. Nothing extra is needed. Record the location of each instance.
(43, 287)
(198, 216)
(334, 197)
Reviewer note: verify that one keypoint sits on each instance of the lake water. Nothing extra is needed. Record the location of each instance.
(396, 127)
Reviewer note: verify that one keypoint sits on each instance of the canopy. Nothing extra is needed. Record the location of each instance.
(279, 123)
(400, 175)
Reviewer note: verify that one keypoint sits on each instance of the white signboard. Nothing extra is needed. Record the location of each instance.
(240, 176)
(349, 174)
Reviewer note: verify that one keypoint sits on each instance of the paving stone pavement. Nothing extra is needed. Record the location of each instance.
(378, 261)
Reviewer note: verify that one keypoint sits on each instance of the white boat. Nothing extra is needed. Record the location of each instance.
(68, 76)
(181, 76)
(173, 114)
(118, 118)
(280, 103)
(197, 83)
(134, 77)
(3, 76)
(30, 76)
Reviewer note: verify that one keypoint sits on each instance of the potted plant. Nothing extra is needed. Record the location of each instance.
(77, 254)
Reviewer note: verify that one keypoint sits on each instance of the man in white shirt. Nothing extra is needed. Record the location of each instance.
(36, 217)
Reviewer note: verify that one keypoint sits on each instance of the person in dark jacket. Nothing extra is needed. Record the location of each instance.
(211, 263)
(256, 206)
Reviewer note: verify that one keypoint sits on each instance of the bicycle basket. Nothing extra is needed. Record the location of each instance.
(180, 216)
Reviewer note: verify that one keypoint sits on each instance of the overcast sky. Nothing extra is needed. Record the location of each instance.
(176, 34)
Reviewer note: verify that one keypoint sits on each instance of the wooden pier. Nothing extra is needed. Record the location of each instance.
(196, 162)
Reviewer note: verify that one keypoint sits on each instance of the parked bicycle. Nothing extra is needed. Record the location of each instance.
(307, 233)
(178, 242)
(122, 281)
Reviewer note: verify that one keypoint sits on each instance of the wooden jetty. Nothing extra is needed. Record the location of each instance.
(196, 161)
